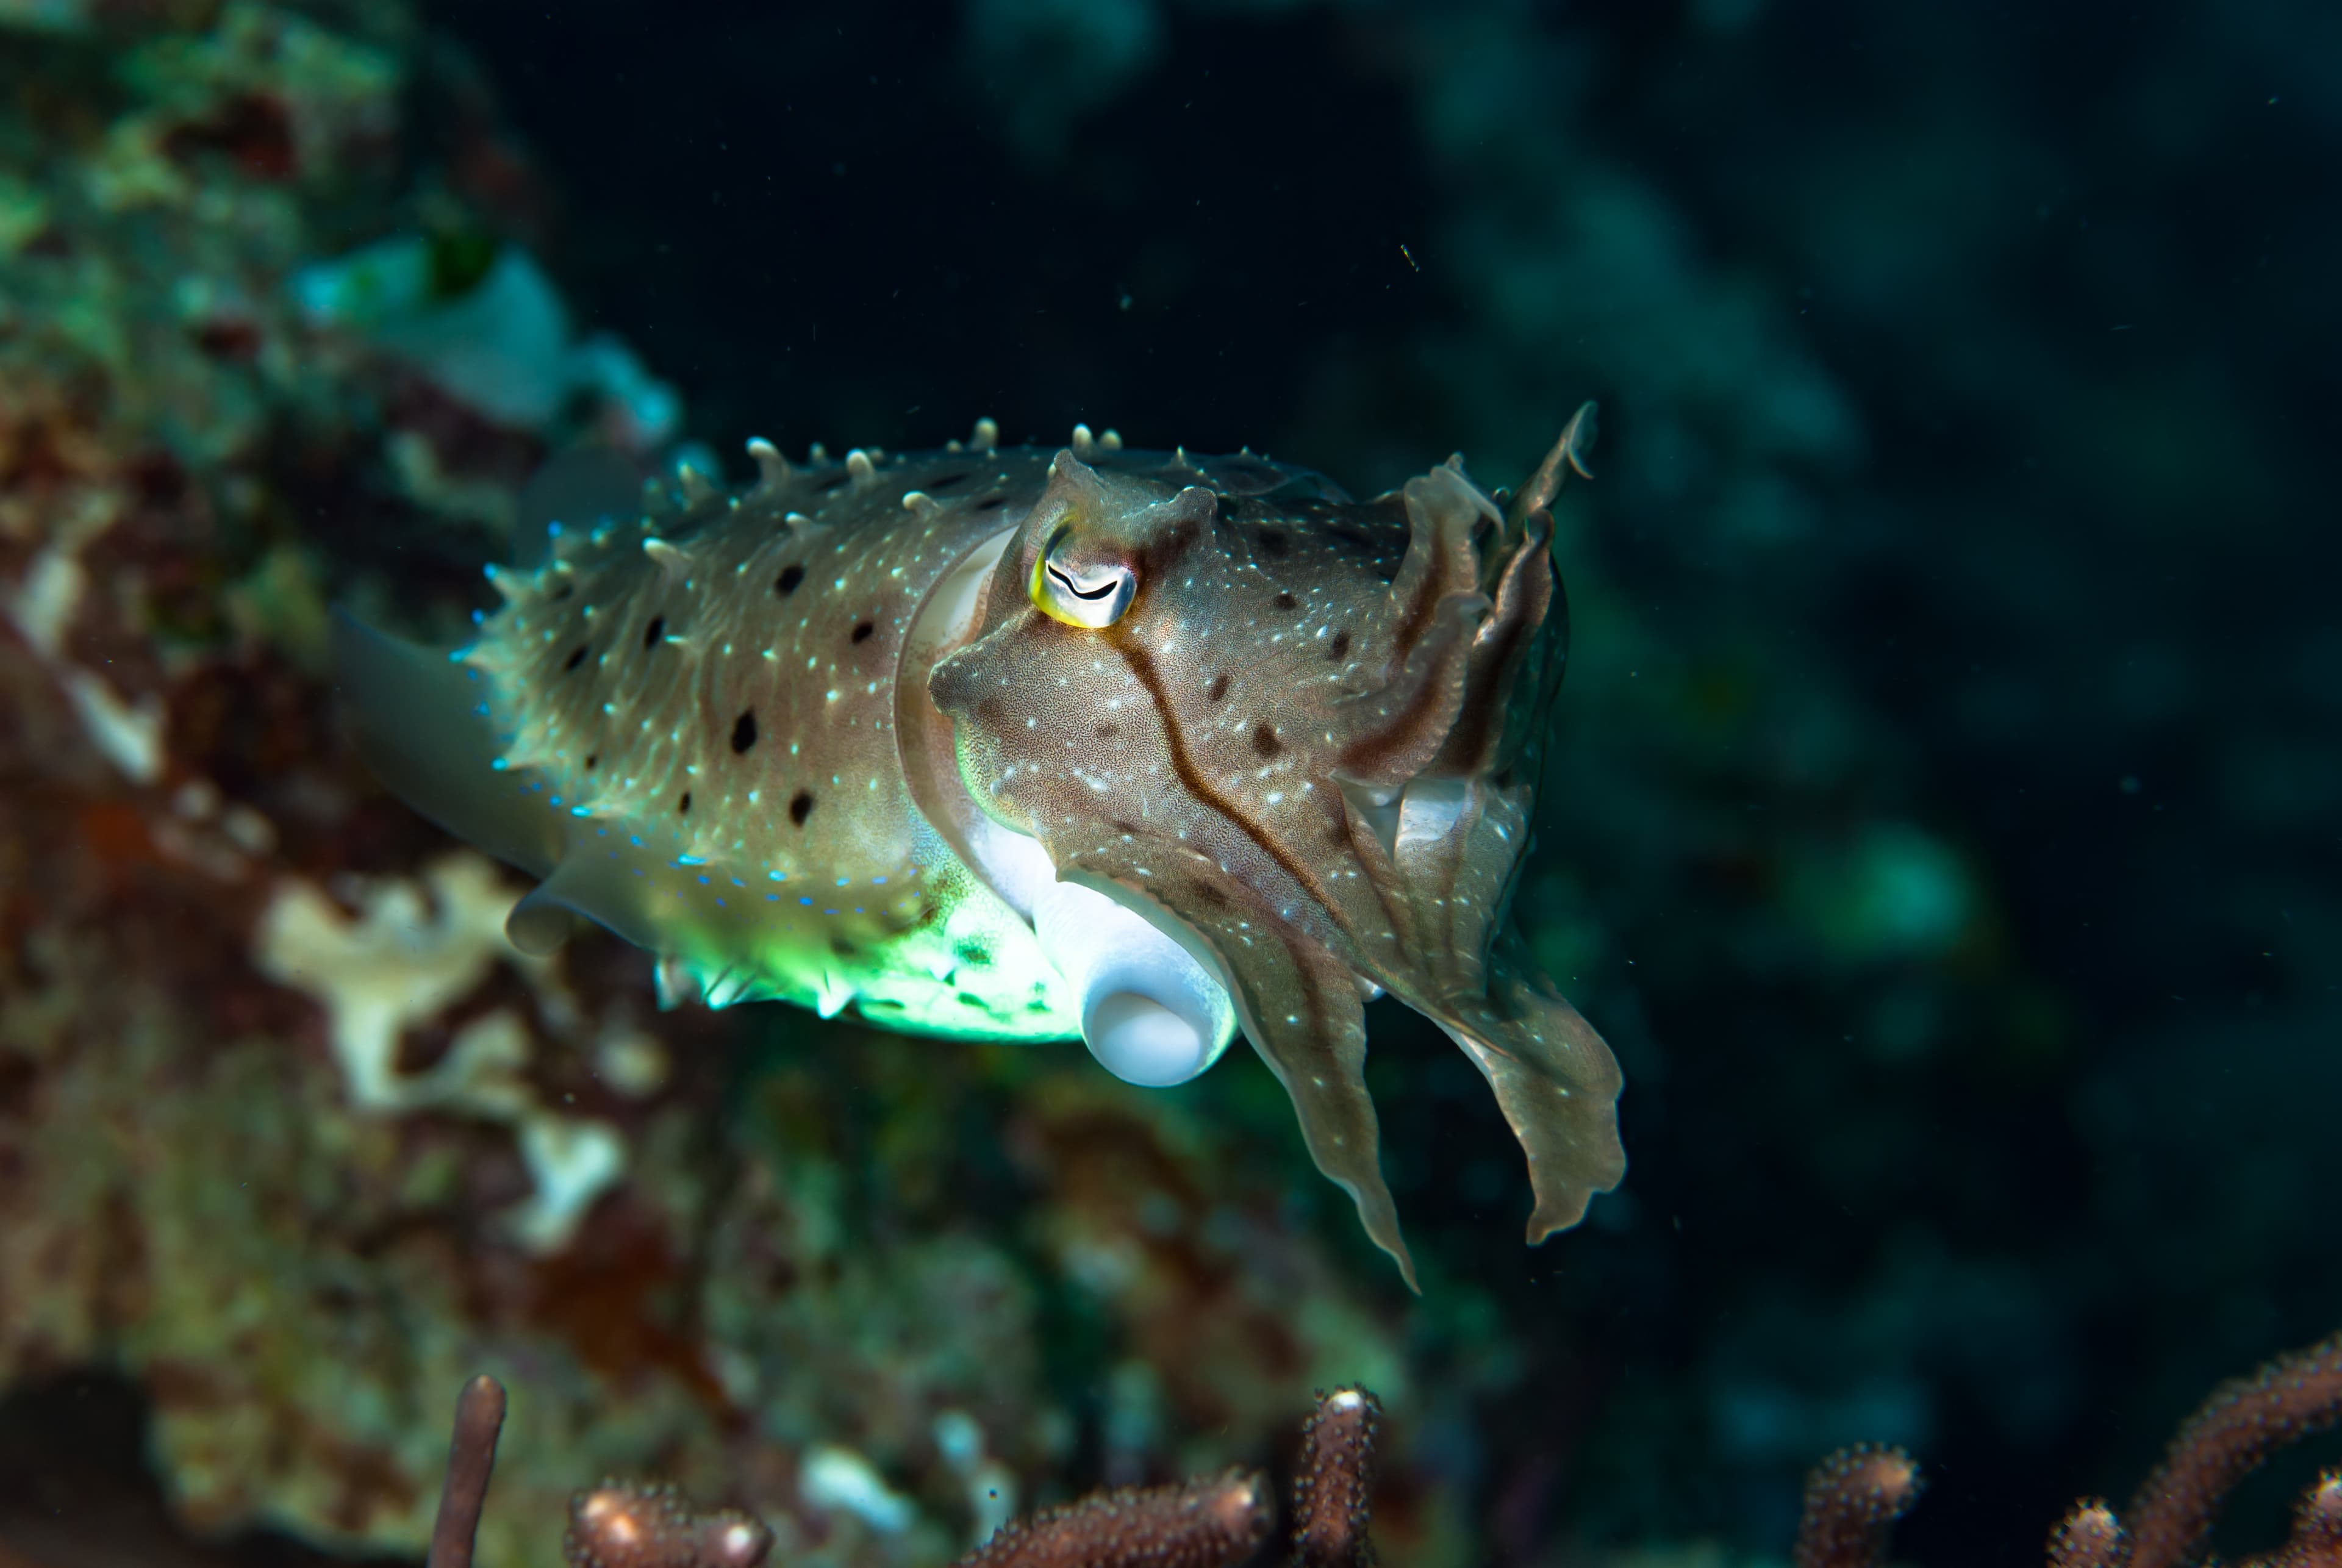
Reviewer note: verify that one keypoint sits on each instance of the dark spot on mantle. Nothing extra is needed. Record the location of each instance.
(1264, 741)
(744, 732)
(801, 807)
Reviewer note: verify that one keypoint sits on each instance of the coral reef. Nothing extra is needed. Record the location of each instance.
(1855, 1496)
(1210, 1522)
(1853, 1499)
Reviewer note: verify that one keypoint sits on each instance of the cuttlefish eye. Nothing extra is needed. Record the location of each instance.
(1085, 594)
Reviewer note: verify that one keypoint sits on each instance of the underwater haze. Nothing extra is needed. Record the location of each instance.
(785, 723)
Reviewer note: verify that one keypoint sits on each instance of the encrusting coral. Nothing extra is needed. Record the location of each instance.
(1853, 1499)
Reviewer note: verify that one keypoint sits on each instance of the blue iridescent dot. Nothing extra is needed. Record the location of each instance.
(772, 898)
(703, 882)
(878, 881)
(806, 902)
(635, 839)
(779, 875)
(500, 765)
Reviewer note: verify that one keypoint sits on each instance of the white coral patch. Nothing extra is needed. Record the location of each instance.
(840, 1481)
(403, 960)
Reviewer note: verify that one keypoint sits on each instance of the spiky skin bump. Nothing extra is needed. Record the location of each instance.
(713, 696)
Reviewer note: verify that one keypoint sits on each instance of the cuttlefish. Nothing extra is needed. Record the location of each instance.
(1006, 742)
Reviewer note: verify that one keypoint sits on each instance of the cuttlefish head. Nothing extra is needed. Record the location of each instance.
(1301, 736)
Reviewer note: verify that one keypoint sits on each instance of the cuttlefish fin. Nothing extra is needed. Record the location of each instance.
(1305, 1019)
(1555, 1080)
(418, 721)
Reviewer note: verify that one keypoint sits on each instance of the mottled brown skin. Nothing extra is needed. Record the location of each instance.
(1312, 742)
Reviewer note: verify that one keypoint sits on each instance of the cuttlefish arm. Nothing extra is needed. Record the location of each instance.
(1305, 1020)
(1301, 1007)
(1555, 1080)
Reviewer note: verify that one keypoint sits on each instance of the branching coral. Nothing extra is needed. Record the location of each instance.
(471, 1457)
(1210, 1522)
(1854, 1497)
(1206, 1523)
(619, 1525)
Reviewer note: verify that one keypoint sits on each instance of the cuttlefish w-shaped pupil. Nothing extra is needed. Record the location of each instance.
(1103, 591)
